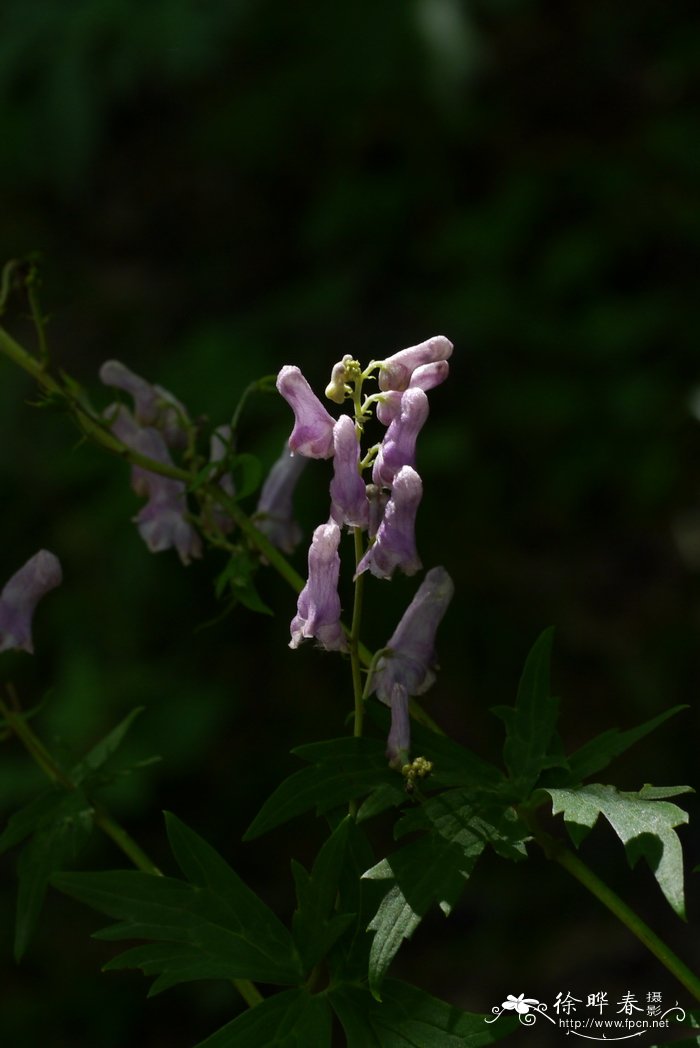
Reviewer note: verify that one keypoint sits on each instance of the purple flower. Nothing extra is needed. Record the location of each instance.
(396, 370)
(395, 544)
(409, 658)
(153, 405)
(218, 450)
(425, 377)
(313, 426)
(399, 739)
(162, 522)
(399, 445)
(377, 505)
(318, 607)
(349, 503)
(274, 512)
(19, 598)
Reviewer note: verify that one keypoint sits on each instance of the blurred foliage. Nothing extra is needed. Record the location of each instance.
(219, 188)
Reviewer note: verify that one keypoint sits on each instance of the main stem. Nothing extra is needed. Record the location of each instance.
(101, 817)
(355, 638)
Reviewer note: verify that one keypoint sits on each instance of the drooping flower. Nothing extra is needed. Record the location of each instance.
(378, 499)
(395, 544)
(318, 606)
(313, 426)
(425, 377)
(274, 512)
(349, 503)
(396, 371)
(153, 405)
(399, 445)
(218, 450)
(20, 596)
(409, 658)
(162, 522)
(399, 739)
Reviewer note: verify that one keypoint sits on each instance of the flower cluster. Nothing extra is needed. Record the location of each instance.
(385, 509)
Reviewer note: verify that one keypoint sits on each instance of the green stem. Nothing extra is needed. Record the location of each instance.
(355, 638)
(573, 865)
(101, 817)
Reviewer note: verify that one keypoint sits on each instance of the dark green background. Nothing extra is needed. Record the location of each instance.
(221, 188)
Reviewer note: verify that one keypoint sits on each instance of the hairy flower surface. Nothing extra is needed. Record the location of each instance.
(396, 371)
(349, 504)
(153, 405)
(274, 514)
(395, 544)
(313, 426)
(399, 445)
(425, 377)
(318, 606)
(162, 522)
(409, 658)
(20, 596)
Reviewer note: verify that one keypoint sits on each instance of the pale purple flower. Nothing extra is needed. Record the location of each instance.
(377, 505)
(313, 426)
(274, 515)
(20, 596)
(425, 377)
(318, 606)
(153, 405)
(396, 370)
(409, 659)
(399, 445)
(349, 503)
(162, 522)
(395, 544)
(399, 739)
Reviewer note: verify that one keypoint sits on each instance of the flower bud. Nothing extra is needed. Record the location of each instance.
(313, 426)
(20, 596)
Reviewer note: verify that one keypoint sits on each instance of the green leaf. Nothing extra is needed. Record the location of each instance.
(316, 924)
(643, 821)
(26, 820)
(531, 745)
(291, 1019)
(342, 770)
(247, 474)
(595, 755)
(408, 1017)
(103, 750)
(223, 930)
(239, 577)
(59, 837)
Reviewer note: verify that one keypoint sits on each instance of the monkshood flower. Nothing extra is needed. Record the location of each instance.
(318, 606)
(153, 405)
(274, 514)
(162, 522)
(395, 544)
(425, 377)
(395, 372)
(20, 596)
(399, 445)
(218, 450)
(399, 738)
(313, 426)
(409, 657)
(349, 504)
(377, 505)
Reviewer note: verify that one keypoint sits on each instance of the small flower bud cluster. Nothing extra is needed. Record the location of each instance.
(385, 509)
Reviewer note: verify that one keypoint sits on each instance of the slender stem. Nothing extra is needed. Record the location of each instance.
(355, 638)
(101, 817)
(575, 866)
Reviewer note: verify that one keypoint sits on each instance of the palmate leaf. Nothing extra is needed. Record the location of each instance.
(643, 821)
(291, 1019)
(531, 744)
(316, 923)
(341, 770)
(97, 757)
(434, 868)
(218, 927)
(410, 1018)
